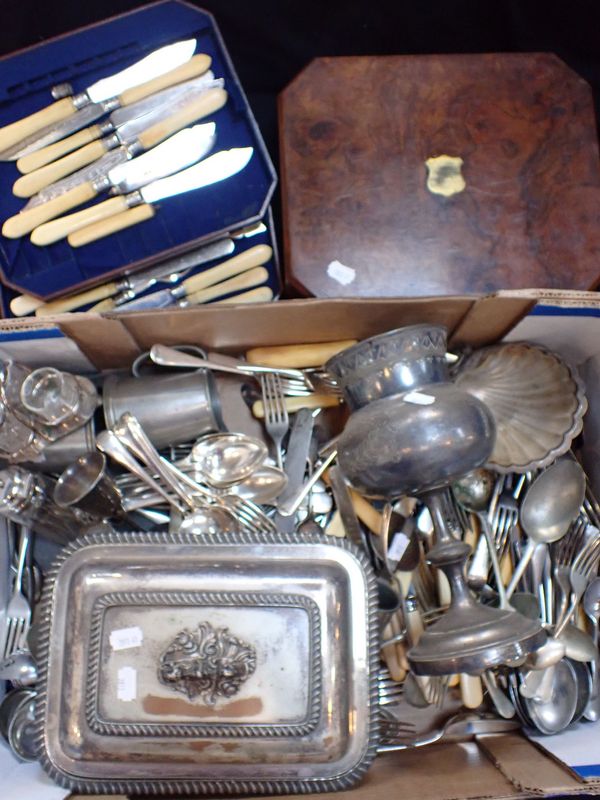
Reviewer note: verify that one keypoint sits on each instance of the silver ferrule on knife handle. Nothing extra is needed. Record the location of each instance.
(80, 100)
(134, 199)
(112, 141)
(61, 90)
(101, 184)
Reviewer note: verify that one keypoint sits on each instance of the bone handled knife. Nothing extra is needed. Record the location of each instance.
(262, 294)
(246, 280)
(247, 260)
(128, 210)
(149, 68)
(136, 135)
(170, 271)
(126, 113)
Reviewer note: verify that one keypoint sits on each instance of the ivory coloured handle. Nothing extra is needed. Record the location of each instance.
(104, 305)
(246, 280)
(262, 294)
(76, 300)
(24, 304)
(30, 184)
(113, 224)
(26, 221)
(471, 690)
(60, 228)
(39, 158)
(253, 257)
(206, 103)
(297, 355)
(12, 134)
(191, 69)
(294, 404)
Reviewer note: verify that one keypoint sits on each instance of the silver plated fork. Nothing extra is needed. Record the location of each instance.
(18, 611)
(276, 416)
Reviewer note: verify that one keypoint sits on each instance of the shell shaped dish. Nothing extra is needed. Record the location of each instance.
(537, 401)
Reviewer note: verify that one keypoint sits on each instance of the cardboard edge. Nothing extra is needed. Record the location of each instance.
(106, 342)
(511, 755)
(477, 329)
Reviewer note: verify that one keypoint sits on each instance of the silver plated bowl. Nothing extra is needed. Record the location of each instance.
(536, 399)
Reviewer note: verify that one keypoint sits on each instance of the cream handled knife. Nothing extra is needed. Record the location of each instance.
(123, 212)
(249, 259)
(152, 66)
(118, 292)
(135, 135)
(146, 107)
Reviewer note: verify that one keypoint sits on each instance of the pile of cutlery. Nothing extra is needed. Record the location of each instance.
(535, 536)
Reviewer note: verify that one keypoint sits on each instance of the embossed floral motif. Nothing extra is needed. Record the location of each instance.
(208, 662)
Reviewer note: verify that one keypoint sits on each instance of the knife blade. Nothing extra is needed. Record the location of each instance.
(295, 464)
(253, 257)
(26, 221)
(129, 134)
(123, 212)
(153, 66)
(145, 107)
(169, 271)
(343, 503)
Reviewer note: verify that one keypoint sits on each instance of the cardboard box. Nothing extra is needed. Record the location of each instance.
(498, 766)
(183, 222)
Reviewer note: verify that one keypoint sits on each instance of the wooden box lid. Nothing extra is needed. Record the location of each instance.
(356, 134)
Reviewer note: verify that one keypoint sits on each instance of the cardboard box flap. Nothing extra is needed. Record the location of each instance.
(531, 770)
(439, 772)
(491, 317)
(241, 327)
(106, 342)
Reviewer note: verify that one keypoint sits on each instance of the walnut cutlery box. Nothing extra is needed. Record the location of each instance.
(439, 175)
(493, 766)
(181, 222)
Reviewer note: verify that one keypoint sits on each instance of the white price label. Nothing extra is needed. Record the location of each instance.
(127, 684)
(398, 546)
(341, 273)
(125, 638)
(419, 398)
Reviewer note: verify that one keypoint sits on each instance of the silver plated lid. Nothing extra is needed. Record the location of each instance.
(207, 665)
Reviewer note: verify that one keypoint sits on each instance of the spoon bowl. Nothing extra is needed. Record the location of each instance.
(555, 714)
(227, 458)
(553, 501)
(551, 504)
(579, 645)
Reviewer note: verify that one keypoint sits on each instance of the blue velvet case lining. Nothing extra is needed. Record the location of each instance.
(180, 222)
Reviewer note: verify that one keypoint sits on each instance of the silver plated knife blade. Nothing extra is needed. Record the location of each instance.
(170, 96)
(157, 63)
(175, 153)
(295, 464)
(161, 299)
(172, 270)
(222, 165)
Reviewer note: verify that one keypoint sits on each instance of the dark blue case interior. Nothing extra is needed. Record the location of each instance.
(180, 222)
(245, 243)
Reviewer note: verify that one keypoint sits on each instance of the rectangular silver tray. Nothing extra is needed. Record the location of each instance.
(208, 665)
